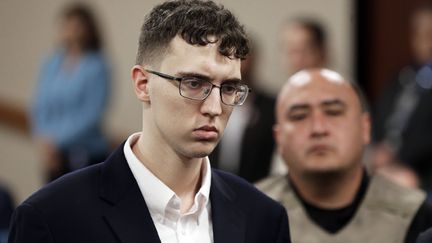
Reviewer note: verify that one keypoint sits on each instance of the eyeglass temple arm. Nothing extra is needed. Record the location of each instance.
(162, 75)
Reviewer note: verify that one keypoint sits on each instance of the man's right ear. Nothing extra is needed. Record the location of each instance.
(141, 84)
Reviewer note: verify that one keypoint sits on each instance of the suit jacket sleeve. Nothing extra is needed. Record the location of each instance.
(425, 237)
(28, 225)
(284, 234)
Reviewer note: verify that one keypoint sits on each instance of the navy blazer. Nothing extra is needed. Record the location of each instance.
(425, 237)
(103, 203)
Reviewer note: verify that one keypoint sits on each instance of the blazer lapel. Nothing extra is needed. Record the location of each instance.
(125, 211)
(227, 218)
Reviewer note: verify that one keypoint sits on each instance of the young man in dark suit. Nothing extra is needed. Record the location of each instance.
(158, 186)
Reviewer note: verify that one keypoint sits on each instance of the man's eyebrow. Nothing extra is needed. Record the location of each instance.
(205, 77)
(194, 75)
(334, 102)
(232, 80)
(298, 107)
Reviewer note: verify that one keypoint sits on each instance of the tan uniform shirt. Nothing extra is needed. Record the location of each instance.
(383, 216)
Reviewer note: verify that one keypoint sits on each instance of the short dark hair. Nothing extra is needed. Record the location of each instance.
(364, 104)
(196, 22)
(421, 9)
(87, 18)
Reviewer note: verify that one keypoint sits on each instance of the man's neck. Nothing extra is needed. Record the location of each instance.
(328, 190)
(183, 176)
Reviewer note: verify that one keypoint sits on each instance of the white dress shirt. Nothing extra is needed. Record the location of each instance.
(164, 204)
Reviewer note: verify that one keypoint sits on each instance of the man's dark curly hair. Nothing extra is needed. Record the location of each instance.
(197, 22)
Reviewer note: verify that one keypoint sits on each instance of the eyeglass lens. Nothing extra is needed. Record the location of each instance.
(231, 94)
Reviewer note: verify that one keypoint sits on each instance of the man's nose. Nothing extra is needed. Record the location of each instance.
(212, 105)
(319, 125)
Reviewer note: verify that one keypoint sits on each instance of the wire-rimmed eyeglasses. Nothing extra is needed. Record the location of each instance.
(231, 93)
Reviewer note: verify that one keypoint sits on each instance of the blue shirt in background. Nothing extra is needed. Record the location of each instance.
(69, 104)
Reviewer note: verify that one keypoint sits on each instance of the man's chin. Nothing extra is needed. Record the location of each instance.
(202, 151)
(324, 171)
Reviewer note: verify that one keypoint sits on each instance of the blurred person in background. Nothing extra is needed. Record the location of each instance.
(403, 115)
(303, 45)
(322, 127)
(246, 149)
(6, 209)
(72, 96)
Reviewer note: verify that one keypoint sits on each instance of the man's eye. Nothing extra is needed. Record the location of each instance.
(229, 89)
(334, 112)
(297, 116)
(193, 83)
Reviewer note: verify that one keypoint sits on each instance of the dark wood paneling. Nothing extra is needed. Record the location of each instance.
(14, 116)
(382, 41)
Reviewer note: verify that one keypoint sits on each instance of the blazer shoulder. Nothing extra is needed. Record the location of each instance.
(266, 219)
(242, 190)
(425, 237)
(79, 184)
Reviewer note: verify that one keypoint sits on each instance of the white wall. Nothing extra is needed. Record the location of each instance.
(28, 31)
